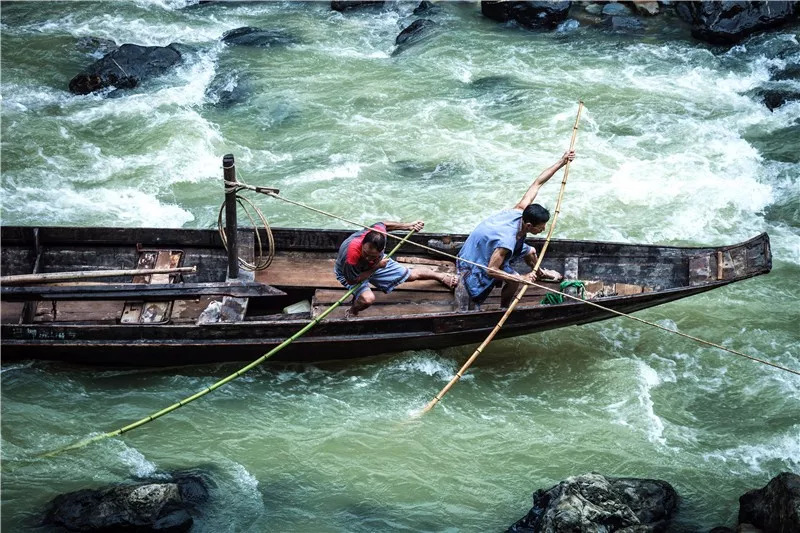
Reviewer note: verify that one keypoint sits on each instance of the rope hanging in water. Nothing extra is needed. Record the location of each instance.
(518, 298)
(228, 379)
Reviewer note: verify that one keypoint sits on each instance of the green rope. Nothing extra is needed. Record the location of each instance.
(220, 383)
(552, 298)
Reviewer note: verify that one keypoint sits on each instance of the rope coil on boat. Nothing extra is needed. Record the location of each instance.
(261, 262)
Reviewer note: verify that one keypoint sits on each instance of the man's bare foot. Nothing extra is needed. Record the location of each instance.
(350, 313)
(450, 281)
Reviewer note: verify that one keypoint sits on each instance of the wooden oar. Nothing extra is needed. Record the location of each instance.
(48, 277)
(436, 399)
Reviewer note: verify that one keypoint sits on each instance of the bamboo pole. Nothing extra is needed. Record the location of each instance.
(436, 399)
(49, 277)
(223, 381)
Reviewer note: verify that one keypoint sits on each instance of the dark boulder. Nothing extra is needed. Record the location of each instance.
(345, 5)
(414, 33)
(774, 508)
(125, 67)
(424, 7)
(789, 72)
(624, 24)
(250, 36)
(592, 502)
(148, 506)
(727, 23)
(775, 98)
(613, 9)
(527, 14)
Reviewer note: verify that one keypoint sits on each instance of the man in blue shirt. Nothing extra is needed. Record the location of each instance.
(499, 240)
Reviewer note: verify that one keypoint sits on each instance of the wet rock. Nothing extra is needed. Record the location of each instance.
(624, 24)
(728, 23)
(789, 72)
(125, 67)
(775, 98)
(414, 33)
(648, 9)
(423, 8)
(592, 502)
(774, 508)
(227, 89)
(250, 36)
(530, 15)
(346, 5)
(147, 506)
(615, 10)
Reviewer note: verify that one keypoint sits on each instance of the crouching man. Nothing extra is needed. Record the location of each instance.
(361, 257)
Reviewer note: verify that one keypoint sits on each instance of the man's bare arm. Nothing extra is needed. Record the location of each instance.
(495, 265)
(546, 174)
(417, 225)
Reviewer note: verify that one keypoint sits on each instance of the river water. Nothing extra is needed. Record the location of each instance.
(674, 148)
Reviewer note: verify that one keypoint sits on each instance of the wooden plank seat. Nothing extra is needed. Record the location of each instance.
(315, 270)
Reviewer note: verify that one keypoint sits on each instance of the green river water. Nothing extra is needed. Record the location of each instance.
(674, 148)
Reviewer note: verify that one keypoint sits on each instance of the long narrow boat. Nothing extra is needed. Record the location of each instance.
(204, 316)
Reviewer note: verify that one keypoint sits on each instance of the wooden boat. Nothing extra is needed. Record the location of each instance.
(202, 317)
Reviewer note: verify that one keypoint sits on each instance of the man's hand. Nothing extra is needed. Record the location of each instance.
(532, 276)
(417, 225)
(382, 264)
(568, 156)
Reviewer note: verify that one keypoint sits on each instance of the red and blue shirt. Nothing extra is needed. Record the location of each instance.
(349, 264)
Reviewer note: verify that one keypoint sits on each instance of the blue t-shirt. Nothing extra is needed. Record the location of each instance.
(497, 231)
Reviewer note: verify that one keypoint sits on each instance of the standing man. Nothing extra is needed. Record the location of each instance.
(361, 257)
(499, 240)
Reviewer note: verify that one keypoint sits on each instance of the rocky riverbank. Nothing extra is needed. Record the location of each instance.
(589, 502)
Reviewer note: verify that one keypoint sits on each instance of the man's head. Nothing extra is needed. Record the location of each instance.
(535, 217)
(372, 246)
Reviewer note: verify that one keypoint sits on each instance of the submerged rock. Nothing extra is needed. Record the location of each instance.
(345, 5)
(415, 32)
(728, 23)
(96, 45)
(227, 89)
(592, 502)
(527, 14)
(250, 36)
(148, 506)
(125, 68)
(774, 508)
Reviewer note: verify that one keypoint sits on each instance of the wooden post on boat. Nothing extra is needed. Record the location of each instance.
(229, 173)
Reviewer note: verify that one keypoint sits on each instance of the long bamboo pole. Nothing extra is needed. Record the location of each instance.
(436, 399)
(89, 274)
(223, 381)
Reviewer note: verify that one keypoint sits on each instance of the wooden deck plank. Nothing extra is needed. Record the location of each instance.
(291, 270)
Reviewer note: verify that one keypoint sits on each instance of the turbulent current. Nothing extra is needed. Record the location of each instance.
(675, 147)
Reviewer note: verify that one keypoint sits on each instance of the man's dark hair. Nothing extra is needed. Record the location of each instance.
(535, 214)
(378, 240)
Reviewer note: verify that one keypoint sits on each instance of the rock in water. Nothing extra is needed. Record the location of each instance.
(728, 23)
(776, 507)
(148, 506)
(250, 36)
(527, 14)
(592, 502)
(125, 67)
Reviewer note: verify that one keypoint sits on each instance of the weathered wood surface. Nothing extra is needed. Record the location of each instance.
(132, 291)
